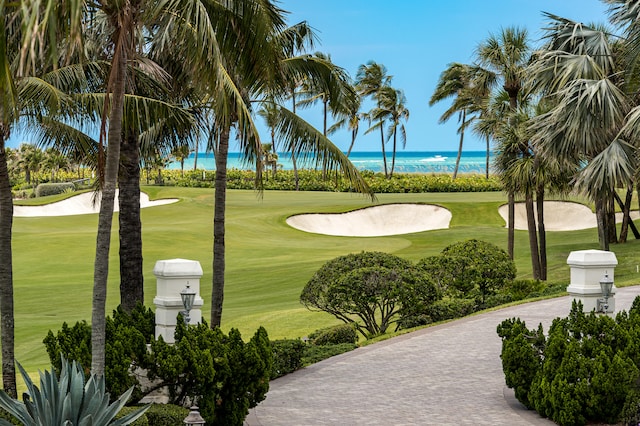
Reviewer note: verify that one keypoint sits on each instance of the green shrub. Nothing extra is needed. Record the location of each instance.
(584, 371)
(376, 288)
(313, 353)
(159, 415)
(4, 415)
(440, 310)
(287, 356)
(45, 189)
(471, 268)
(342, 333)
(522, 289)
(312, 180)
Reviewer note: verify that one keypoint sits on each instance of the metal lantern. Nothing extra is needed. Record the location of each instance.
(187, 295)
(194, 417)
(606, 284)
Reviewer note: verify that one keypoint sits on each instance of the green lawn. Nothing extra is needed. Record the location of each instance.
(268, 263)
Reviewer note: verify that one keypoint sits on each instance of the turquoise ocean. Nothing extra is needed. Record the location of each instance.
(406, 162)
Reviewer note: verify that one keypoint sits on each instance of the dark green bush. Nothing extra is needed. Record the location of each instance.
(440, 310)
(584, 371)
(158, 415)
(313, 353)
(287, 356)
(377, 288)
(45, 189)
(522, 289)
(312, 180)
(8, 417)
(470, 269)
(342, 333)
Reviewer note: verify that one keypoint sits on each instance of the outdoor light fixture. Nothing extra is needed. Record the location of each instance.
(606, 284)
(188, 296)
(194, 417)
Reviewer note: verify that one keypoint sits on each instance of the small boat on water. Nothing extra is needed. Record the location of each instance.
(434, 158)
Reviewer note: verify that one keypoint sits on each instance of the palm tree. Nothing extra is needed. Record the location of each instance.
(351, 121)
(263, 71)
(506, 56)
(370, 80)
(392, 109)
(592, 120)
(455, 82)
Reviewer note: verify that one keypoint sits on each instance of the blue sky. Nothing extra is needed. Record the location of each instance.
(415, 40)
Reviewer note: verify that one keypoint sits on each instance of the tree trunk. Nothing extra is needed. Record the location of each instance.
(131, 273)
(6, 276)
(542, 234)
(195, 157)
(611, 221)
(393, 156)
(105, 217)
(533, 237)
(601, 218)
(384, 154)
(626, 207)
(220, 200)
(486, 172)
(455, 170)
(296, 177)
(511, 233)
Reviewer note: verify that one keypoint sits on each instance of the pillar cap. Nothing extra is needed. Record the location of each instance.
(592, 258)
(177, 268)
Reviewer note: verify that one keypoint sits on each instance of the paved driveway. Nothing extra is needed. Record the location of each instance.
(449, 374)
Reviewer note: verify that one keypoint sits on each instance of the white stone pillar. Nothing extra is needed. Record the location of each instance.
(172, 276)
(588, 267)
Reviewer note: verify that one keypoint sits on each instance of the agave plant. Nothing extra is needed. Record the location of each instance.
(67, 401)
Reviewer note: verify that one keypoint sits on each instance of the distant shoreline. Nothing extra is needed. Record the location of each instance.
(471, 162)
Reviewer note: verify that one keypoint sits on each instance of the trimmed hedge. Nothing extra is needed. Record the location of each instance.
(158, 415)
(312, 180)
(45, 189)
(341, 333)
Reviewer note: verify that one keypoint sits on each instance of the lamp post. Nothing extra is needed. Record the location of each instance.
(606, 284)
(187, 295)
(194, 417)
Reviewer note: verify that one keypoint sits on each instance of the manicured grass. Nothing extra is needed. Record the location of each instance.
(268, 263)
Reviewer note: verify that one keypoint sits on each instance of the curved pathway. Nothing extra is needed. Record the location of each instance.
(450, 374)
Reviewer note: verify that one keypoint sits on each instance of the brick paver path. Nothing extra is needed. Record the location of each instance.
(449, 374)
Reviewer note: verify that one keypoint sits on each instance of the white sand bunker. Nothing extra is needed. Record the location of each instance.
(79, 204)
(377, 221)
(559, 216)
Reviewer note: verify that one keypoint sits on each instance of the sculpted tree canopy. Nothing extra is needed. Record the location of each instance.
(372, 290)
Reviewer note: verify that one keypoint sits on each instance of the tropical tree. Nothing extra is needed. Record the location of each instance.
(350, 120)
(370, 80)
(393, 110)
(263, 70)
(593, 120)
(456, 82)
(506, 55)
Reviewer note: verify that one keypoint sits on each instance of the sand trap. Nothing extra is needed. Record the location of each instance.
(560, 216)
(388, 219)
(79, 204)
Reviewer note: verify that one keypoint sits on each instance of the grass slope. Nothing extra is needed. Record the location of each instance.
(268, 263)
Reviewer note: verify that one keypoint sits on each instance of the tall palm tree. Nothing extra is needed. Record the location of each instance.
(350, 120)
(263, 71)
(506, 55)
(456, 82)
(393, 109)
(593, 119)
(370, 80)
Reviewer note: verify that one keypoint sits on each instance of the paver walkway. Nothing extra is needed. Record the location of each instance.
(449, 374)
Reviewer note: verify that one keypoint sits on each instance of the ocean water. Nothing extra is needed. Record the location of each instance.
(406, 162)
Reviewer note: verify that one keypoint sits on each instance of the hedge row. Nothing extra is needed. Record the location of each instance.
(313, 180)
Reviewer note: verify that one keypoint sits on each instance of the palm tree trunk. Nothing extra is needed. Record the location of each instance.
(384, 154)
(220, 200)
(296, 177)
(533, 237)
(130, 229)
(601, 218)
(455, 170)
(353, 141)
(611, 221)
(542, 234)
(6, 276)
(195, 157)
(393, 156)
(105, 218)
(486, 169)
(626, 215)
(511, 233)
(626, 207)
